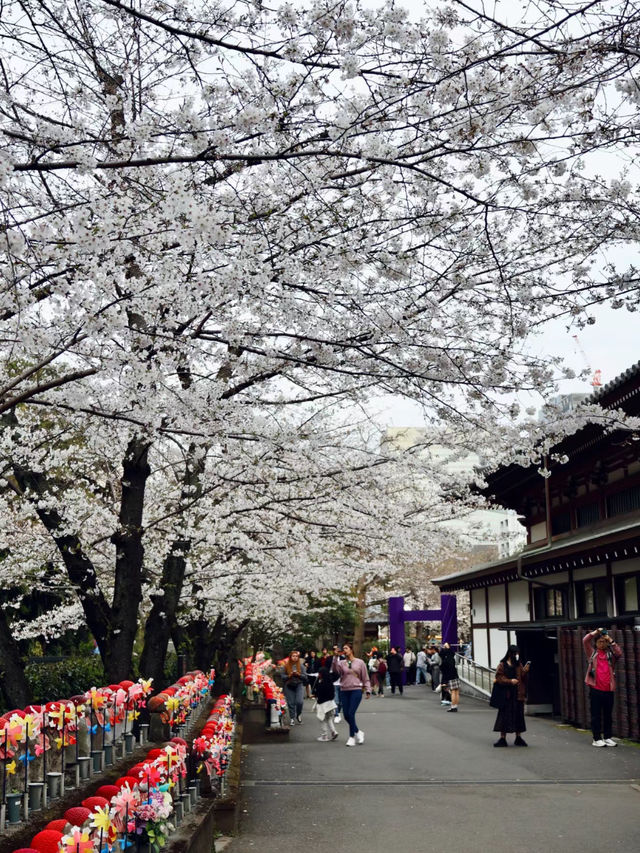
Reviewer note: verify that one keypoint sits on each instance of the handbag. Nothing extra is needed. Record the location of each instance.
(498, 696)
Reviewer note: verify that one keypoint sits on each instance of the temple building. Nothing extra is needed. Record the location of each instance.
(579, 570)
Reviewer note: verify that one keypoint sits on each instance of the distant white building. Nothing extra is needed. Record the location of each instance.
(499, 528)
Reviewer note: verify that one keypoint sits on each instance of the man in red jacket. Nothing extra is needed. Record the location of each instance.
(601, 679)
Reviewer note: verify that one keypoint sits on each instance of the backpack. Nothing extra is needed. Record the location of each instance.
(382, 667)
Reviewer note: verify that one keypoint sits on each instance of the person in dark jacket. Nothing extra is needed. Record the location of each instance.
(449, 675)
(325, 710)
(312, 664)
(395, 666)
(512, 676)
(336, 683)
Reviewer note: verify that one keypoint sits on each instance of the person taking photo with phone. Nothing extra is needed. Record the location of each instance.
(601, 679)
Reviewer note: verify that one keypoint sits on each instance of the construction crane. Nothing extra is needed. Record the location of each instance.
(596, 375)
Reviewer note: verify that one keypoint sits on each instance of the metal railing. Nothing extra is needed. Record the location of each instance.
(480, 677)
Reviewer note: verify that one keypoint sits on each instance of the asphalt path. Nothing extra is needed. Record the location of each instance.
(425, 779)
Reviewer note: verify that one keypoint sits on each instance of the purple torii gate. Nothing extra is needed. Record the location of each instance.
(398, 616)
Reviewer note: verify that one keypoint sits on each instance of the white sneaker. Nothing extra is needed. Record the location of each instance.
(337, 718)
(323, 738)
(360, 737)
(352, 742)
(292, 722)
(598, 743)
(609, 741)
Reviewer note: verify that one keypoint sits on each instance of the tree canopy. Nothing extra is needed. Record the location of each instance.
(227, 227)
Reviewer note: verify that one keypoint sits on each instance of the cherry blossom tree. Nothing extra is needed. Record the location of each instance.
(227, 225)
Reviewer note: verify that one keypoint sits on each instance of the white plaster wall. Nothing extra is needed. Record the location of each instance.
(621, 567)
(497, 604)
(539, 531)
(478, 606)
(590, 572)
(519, 601)
(479, 646)
(499, 643)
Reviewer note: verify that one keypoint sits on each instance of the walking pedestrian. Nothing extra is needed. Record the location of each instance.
(336, 682)
(395, 667)
(325, 709)
(312, 664)
(512, 676)
(436, 662)
(295, 677)
(449, 675)
(354, 681)
(409, 660)
(381, 675)
(601, 679)
(421, 667)
(374, 663)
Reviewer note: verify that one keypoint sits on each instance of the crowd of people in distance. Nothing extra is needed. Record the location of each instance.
(338, 680)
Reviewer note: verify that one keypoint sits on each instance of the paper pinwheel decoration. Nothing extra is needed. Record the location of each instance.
(101, 819)
(77, 841)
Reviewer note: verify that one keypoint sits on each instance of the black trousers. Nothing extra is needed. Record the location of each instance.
(395, 678)
(601, 712)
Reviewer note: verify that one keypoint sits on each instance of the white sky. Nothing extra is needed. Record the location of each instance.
(612, 345)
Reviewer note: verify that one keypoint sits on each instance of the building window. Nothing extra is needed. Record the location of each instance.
(627, 593)
(628, 500)
(561, 523)
(592, 597)
(587, 515)
(550, 602)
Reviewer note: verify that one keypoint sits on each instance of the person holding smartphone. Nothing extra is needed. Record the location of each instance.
(512, 676)
(601, 679)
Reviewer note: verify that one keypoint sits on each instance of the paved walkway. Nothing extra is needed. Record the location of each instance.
(427, 779)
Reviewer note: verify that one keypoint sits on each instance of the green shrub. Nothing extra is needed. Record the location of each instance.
(69, 677)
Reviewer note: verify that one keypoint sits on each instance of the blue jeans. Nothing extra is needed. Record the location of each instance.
(295, 700)
(337, 699)
(350, 701)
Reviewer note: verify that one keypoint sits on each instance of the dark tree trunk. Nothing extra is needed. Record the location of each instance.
(13, 682)
(163, 616)
(216, 645)
(79, 567)
(114, 628)
(157, 629)
(127, 539)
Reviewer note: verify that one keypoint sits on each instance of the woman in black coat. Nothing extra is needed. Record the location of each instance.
(512, 677)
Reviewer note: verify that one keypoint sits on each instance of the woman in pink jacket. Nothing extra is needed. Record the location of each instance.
(601, 679)
(354, 680)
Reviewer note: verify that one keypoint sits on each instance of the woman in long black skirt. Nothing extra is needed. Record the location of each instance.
(512, 676)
